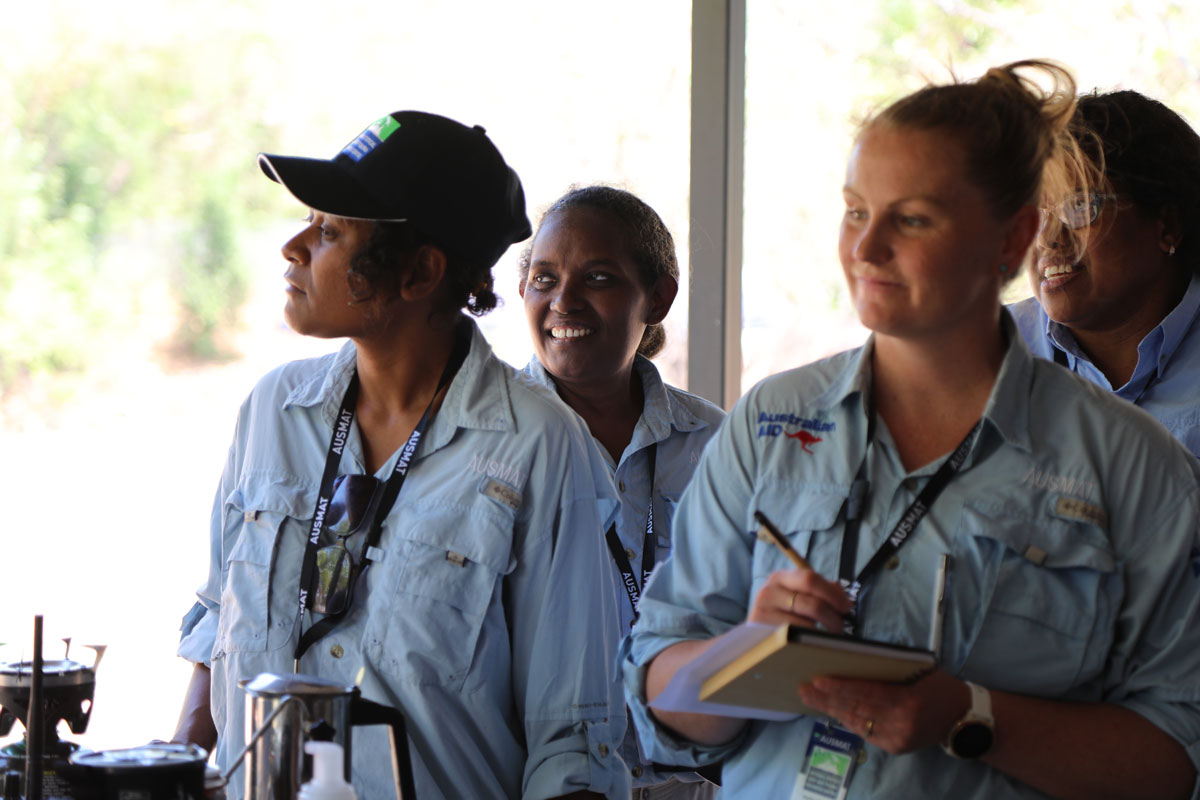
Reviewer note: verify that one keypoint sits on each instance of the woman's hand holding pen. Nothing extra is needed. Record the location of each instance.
(797, 596)
(800, 597)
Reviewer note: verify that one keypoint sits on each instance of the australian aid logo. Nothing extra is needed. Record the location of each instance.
(809, 429)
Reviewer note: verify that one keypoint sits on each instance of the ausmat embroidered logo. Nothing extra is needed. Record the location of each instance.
(805, 438)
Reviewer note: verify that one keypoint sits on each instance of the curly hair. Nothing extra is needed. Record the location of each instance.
(651, 246)
(375, 270)
(1150, 153)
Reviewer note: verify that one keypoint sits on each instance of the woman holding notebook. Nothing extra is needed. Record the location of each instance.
(1060, 523)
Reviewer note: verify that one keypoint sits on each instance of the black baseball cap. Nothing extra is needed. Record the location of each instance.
(447, 180)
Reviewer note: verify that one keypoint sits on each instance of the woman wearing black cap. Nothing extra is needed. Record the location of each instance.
(408, 514)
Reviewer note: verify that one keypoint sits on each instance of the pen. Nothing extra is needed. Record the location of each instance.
(939, 606)
(767, 530)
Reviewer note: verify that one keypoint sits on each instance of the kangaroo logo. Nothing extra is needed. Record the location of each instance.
(805, 438)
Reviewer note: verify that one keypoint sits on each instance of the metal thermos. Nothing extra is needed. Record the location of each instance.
(286, 711)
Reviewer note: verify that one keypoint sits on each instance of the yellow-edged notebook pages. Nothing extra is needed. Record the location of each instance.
(769, 674)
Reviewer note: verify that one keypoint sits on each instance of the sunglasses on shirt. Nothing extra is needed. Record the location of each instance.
(350, 516)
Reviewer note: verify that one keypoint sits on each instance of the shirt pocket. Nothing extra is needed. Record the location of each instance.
(807, 516)
(264, 535)
(1032, 602)
(448, 585)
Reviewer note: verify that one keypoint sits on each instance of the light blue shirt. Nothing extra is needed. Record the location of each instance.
(1072, 535)
(486, 621)
(680, 424)
(1166, 380)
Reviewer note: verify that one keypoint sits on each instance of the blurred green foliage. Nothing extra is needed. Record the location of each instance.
(107, 151)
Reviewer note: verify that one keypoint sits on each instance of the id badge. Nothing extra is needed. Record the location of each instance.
(829, 762)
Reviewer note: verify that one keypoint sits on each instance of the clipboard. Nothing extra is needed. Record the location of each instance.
(769, 672)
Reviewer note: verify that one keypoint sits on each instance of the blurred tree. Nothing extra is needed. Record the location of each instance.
(115, 143)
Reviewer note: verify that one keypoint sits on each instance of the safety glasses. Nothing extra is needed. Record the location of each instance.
(350, 516)
(1081, 209)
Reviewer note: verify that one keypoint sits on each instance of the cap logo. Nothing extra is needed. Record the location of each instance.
(376, 134)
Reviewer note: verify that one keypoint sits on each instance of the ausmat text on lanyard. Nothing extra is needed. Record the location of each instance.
(462, 345)
(833, 751)
(628, 579)
(856, 503)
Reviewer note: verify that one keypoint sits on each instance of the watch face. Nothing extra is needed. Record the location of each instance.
(972, 740)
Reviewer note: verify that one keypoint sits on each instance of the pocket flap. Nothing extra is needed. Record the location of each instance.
(1050, 543)
(270, 493)
(483, 538)
(798, 506)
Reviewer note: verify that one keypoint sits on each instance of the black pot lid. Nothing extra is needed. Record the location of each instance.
(60, 672)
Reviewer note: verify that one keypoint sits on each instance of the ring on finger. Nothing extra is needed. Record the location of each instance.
(792, 604)
(870, 728)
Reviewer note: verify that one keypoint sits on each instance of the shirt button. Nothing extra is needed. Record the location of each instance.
(602, 750)
(862, 755)
(621, 485)
(910, 484)
(636, 771)
(893, 562)
(629, 552)
(336, 651)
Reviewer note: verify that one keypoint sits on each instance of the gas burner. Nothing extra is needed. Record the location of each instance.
(65, 690)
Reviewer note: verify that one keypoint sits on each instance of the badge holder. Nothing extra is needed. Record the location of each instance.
(829, 762)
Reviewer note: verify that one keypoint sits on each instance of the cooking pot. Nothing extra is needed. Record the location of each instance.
(149, 772)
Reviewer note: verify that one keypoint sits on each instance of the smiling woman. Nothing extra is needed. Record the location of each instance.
(911, 235)
(1123, 310)
(1066, 518)
(597, 281)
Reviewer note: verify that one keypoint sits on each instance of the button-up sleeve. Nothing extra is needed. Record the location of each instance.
(564, 618)
(200, 625)
(700, 590)
(1154, 663)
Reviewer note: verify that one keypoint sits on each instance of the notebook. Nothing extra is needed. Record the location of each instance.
(768, 674)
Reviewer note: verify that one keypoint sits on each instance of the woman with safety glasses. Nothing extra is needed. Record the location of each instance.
(1122, 310)
(1035, 536)
(409, 514)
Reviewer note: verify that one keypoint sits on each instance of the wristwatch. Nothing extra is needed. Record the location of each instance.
(972, 736)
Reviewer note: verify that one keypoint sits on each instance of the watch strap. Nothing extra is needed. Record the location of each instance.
(981, 705)
(978, 714)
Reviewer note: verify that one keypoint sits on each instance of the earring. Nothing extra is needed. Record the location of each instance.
(1171, 252)
(1003, 268)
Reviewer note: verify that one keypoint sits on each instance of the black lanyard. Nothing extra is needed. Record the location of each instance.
(391, 490)
(856, 503)
(618, 552)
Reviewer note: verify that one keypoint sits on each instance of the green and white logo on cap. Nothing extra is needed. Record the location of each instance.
(376, 134)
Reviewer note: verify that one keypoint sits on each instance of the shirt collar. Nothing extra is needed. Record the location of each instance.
(661, 412)
(854, 381)
(1177, 323)
(1007, 409)
(477, 398)
(327, 387)
(1154, 351)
